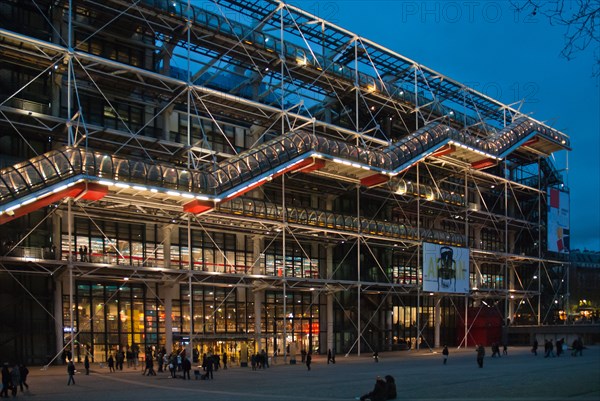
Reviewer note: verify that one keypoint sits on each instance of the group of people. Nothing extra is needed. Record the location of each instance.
(259, 360)
(480, 350)
(117, 362)
(496, 350)
(173, 363)
(384, 389)
(549, 346)
(13, 378)
(84, 256)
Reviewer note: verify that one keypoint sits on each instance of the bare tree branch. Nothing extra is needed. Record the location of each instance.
(580, 19)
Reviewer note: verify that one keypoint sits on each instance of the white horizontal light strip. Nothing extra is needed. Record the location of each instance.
(142, 188)
(474, 150)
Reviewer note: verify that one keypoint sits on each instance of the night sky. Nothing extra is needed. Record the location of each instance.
(508, 56)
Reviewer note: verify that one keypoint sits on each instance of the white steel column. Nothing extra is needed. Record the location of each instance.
(466, 319)
(476, 239)
(539, 269)
(509, 294)
(511, 301)
(56, 234)
(358, 266)
(70, 138)
(167, 245)
(283, 253)
(190, 293)
(283, 217)
(358, 238)
(329, 299)
(437, 320)
(58, 314)
(168, 289)
(70, 265)
(257, 294)
(419, 283)
(468, 245)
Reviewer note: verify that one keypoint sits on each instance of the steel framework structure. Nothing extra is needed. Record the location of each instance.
(259, 119)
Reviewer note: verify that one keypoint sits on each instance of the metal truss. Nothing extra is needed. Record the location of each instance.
(276, 69)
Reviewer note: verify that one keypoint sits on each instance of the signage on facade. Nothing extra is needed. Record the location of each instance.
(445, 268)
(558, 221)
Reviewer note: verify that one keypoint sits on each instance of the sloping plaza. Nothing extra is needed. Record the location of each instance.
(420, 375)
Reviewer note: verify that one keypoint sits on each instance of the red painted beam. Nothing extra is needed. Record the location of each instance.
(94, 191)
(373, 180)
(444, 150)
(316, 164)
(198, 206)
(306, 163)
(305, 166)
(485, 163)
(91, 192)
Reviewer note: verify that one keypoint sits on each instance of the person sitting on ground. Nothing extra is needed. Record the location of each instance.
(379, 393)
(391, 387)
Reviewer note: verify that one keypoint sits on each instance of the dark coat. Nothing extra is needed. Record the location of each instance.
(380, 391)
(391, 387)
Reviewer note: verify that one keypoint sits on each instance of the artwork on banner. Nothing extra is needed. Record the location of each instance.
(445, 268)
(558, 221)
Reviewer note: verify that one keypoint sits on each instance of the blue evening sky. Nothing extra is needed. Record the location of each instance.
(507, 56)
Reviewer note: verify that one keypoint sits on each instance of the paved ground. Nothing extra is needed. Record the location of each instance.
(419, 376)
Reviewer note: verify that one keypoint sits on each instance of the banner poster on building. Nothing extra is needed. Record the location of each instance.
(558, 221)
(445, 268)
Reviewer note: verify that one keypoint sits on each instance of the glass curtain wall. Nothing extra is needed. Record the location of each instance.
(108, 318)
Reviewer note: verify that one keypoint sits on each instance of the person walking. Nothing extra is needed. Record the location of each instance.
(24, 372)
(480, 354)
(445, 354)
(549, 349)
(495, 350)
(15, 378)
(209, 367)
(559, 347)
(186, 366)
(308, 360)
(376, 356)
(159, 360)
(328, 356)
(173, 365)
(120, 359)
(71, 372)
(86, 365)
(5, 380)
(577, 347)
(224, 360)
(150, 365)
(111, 363)
(535, 346)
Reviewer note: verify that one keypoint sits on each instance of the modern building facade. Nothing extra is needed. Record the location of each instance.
(235, 176)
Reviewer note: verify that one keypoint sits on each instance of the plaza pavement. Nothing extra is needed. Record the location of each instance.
(420, 375)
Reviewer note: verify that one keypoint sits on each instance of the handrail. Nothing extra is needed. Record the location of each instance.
(250, 166)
